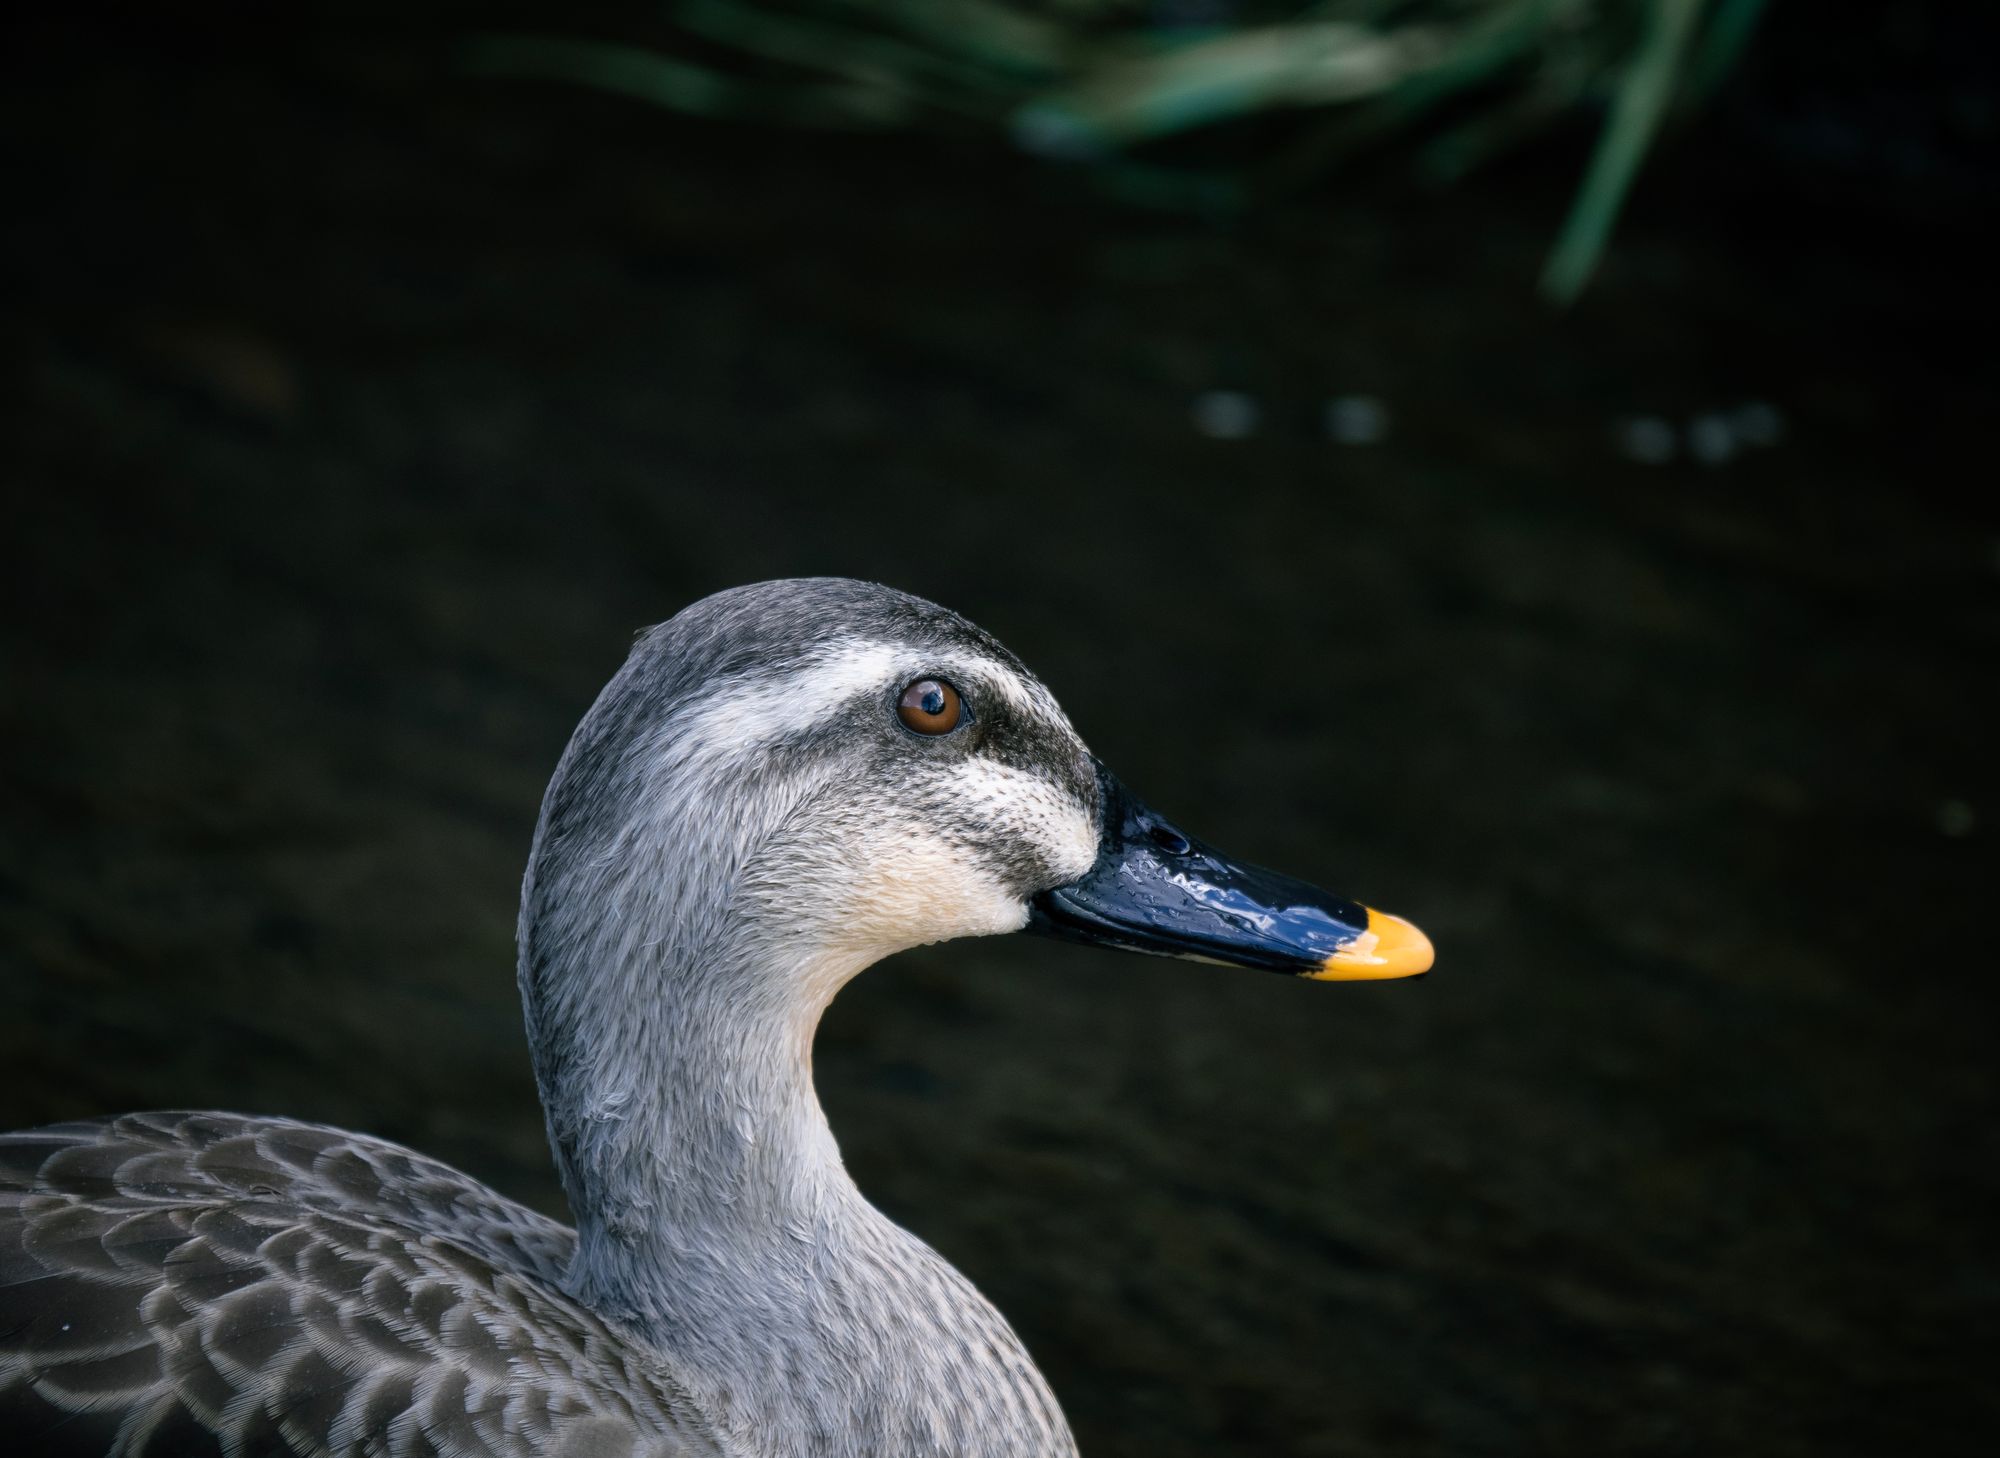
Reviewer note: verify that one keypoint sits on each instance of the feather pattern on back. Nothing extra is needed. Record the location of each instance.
(207, 1283)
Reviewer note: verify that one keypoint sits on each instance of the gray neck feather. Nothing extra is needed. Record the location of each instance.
(671, 1015)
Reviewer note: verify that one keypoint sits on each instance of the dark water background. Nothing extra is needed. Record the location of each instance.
(355, 417)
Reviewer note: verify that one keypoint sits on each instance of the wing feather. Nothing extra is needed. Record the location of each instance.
(207, 1283)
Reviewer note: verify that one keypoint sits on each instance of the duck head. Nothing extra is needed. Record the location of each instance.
(822, 772)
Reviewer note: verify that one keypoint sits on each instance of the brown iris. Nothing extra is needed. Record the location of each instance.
(929, 706)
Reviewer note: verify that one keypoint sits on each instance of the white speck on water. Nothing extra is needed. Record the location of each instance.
(1956, 819)
(1225, 414)
(1357, 419)
(1758, 423)
(65, 1326)
(1646, 439)
(1711, 439)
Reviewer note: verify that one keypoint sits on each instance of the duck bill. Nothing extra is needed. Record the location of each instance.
(1155, 889)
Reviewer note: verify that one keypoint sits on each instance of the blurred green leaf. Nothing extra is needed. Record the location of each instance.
(1641, 104)
(1115, 82)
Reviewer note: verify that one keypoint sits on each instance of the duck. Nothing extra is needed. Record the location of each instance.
(782, 785)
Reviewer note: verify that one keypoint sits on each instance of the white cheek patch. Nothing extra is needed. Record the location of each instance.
(917, 889)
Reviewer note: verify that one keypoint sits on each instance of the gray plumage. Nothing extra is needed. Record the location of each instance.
(738, 826)
(205, 1283)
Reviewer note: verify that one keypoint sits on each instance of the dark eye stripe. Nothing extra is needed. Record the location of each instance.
(930, 706)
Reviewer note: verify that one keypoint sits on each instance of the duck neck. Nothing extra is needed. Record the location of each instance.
(692, 1145)
(717, 1224)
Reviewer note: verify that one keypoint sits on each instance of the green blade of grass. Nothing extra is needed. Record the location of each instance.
(1163, 92)
(677, 85)
(1467, 59)
(938, 79)
(1636, 113)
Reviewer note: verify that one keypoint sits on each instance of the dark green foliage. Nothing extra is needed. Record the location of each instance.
(1100, 80)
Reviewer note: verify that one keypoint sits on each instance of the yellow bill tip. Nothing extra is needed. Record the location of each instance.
(1391, 947)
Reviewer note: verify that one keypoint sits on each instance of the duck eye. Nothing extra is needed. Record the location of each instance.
(929, 706)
